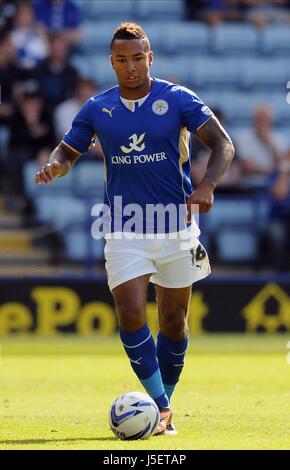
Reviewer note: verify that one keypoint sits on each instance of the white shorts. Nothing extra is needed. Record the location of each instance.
(171, 263)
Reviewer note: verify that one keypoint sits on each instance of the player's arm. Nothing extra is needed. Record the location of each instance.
(216, 138)
(75, 142)
(59, 164)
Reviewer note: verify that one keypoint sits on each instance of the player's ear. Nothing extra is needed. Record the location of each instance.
(150, 58)
(112, 62)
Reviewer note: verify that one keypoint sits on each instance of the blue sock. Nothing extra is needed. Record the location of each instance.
(171, 361)
(141, 350)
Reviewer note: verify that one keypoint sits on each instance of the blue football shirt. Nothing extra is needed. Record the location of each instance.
(146, 152)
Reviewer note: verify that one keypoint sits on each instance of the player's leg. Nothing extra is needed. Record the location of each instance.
(177, 271)
(130, 299)
(172, 339)
(176, 274)
(172, 343)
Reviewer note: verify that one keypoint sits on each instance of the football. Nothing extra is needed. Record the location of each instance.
(134, 415)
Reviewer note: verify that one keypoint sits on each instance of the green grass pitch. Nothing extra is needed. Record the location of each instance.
(55, 393)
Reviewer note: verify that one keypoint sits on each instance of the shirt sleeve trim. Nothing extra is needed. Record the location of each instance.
(204, 123)
(71, 148)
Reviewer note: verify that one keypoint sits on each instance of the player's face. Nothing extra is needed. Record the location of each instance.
(131, 61)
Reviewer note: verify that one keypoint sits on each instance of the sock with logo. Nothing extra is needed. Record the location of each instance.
(141, 350)
(171, 361)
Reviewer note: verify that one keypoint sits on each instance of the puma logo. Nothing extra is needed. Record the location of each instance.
(109, 111)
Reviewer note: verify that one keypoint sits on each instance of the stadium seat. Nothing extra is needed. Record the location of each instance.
(159, 9)
(262, 73)
(238, 107)
(280, 108)
(97, 67)
(183, 37)
(79, 246)
(105, 10)
(237, 246)
(89, 179)
(235, 106)
(234, 39)
(275, 39)
(96, 37)
(210, 72)
(83, 65)
(62, 211)
(180, 73)
(235, 225)
(226, 211)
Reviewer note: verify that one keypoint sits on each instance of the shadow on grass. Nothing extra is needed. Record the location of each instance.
(46, 441)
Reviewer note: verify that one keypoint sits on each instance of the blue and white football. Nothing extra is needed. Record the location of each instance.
(134, 415)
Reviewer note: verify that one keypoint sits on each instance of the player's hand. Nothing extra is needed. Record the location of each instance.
(203, 196)
(48, 172)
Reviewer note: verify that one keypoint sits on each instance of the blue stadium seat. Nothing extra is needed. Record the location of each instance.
(280, 108)
(183, 37)
(97, 67)
(83, 65)
(235, 225)
(237, 246)
(231, 73)
(210, 72)
(103, 72)
(61, 211)
(79, 246)
(276, 39)
(227, 211)
(96, 37)
(238, 107)
(234, 39)
(89, 179)
(179, 72)
(160, 9)
(262, 73)
(180, 37)
(233, 105)
(107, 9)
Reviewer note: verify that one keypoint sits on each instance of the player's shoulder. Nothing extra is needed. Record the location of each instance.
(106, 98)
(173, 90)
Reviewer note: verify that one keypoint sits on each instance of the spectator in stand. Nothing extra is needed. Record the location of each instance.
(66, 111)
(261, 149)
(261, 12)
(199, 159)
(212, 12)
(28, 38)
(59, 16)
(55, 75)
(9, 73)
(31, 131)
(10, 76)
(7, 14)
(278, 228)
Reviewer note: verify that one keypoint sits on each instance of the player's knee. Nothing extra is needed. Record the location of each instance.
(130, 318)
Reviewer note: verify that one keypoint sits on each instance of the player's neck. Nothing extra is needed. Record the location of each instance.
(136, 93)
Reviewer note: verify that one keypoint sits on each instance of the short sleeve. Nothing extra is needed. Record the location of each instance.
(194, 112)
(81, 133)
